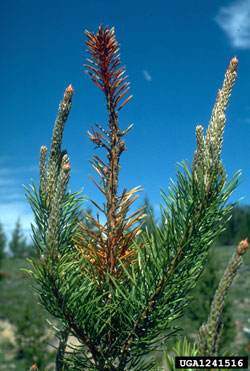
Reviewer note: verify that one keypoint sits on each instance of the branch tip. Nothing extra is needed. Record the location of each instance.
(243, 245)
(233, 64)
(66, 167)
(68, 94)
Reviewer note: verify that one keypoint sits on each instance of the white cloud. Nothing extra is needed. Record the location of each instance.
(147, 75)
(234, 20)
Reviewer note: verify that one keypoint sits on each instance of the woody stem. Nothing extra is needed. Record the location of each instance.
(112, 186)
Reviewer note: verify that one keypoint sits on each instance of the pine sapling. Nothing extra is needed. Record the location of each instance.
(114, 287)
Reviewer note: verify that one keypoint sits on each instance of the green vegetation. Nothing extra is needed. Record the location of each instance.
(236, 307)
(17, 295)
(3, 240)
(238, 226)
(121, 288)
(203, 295)
(29, 334)
(32, 335)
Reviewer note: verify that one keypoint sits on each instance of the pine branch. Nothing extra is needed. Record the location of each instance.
(64, 334)
(55, 227)
(207, 156)
(206, 173)
(112, 241)
(210, 333)
(55, 156)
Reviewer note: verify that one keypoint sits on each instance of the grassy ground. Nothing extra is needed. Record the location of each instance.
(18, 303)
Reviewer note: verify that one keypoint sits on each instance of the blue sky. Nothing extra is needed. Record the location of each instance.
(176, 55)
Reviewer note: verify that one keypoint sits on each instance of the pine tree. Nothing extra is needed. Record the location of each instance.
(3, 240)
(118, 290)
(149, 220)
(238, 226)
(17, 244)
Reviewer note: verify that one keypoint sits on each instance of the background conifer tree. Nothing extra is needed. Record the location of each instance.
(149, 221)
(3, 240)
(238, 226)
(17, 244)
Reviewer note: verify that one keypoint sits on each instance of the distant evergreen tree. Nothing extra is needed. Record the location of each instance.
(203, 295)
(241, 220)
(18, 245)
(3, 240)
(238, 227)
(149, 219)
